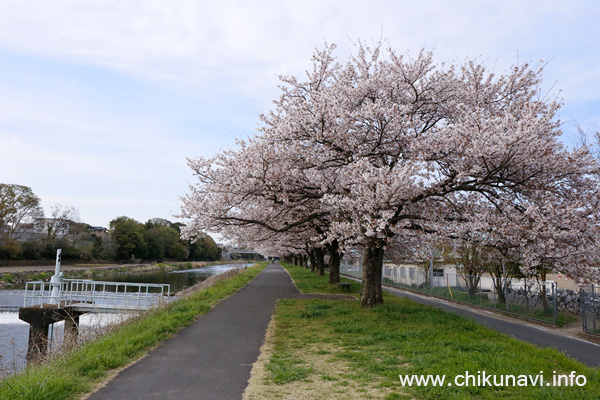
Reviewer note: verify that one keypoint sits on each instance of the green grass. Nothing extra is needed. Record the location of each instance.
(482, 300)
(285, 368)
(404, 337)
(311, 282)
(78, 372)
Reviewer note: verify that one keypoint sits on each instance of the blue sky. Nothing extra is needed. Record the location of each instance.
(101, 102)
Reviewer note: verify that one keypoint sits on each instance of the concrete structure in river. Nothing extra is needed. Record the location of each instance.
(67, 299)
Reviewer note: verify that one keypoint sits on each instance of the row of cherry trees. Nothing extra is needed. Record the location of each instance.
(387, 151)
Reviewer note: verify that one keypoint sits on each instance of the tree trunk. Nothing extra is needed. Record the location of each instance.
(500, 279)
(320, 261)
(473, 283)
(500, 286)
(313, 260)
(372, 265)
(334, 267)
(543, 294)
(335, 257)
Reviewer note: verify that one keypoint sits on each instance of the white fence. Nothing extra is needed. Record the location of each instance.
(96, 296)
(530, 297)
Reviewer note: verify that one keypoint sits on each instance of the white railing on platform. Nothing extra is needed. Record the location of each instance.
(97, 296)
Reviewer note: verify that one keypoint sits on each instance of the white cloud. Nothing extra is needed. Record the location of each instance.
(242, 45)
(110, 97)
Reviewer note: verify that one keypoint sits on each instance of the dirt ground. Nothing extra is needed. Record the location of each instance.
(563, 282)
(328, 377)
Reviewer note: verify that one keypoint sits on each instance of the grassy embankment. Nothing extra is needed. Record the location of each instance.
(78, 372)
(336, 349)
(482, 300)
(126, 269)
(87, 271)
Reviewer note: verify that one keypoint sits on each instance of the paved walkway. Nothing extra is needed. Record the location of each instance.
(213, 357)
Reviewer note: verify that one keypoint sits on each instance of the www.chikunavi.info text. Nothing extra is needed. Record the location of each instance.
(481, 378)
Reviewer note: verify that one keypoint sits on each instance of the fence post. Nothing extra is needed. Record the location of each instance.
(582, 307)
(588, 310)
(593, 307)
(468, 284)
(526, 294)
(554, 310)
(480, 290)
(431, 275)
(494, 293)
(507, 291)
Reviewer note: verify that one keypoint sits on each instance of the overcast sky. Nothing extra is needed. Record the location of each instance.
(102, 101)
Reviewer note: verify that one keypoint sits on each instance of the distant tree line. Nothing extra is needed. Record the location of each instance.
(157, 239)
(26, 234)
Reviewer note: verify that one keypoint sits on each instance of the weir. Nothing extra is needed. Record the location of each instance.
(67, 299)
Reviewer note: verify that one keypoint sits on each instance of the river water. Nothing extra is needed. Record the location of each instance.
(14, 332)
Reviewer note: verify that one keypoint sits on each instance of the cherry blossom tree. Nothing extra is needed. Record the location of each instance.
(387, 144)
(259, 195)
(404, 134)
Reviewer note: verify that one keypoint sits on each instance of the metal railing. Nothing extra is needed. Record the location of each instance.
(525, 297)
(589, 296)
(97, 296)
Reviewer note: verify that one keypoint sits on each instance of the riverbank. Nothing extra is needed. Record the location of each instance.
(79, 371)
(338, 350)
(19, 275)
(94, 266)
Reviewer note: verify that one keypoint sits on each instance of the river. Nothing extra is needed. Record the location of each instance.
(14, 332)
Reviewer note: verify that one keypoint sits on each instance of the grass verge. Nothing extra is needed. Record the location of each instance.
(79, 371)
(359, 353)
(311, 282)
(483, 300)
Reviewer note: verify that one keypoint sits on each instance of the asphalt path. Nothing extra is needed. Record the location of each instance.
(581, 350)
(212, 358)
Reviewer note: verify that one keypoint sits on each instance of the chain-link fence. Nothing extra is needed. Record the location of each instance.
(528, 297)
(589, 296)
